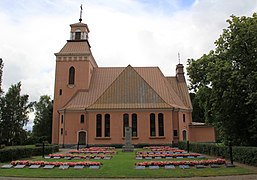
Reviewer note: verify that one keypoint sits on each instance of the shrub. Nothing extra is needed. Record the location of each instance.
(242, 154)
(17, 152)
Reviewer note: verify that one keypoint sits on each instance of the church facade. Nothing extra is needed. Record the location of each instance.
(93, 105)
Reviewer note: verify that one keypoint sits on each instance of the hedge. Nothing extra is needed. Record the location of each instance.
(242, 154)
(18, 152)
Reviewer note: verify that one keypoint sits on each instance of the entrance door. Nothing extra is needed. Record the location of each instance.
(82, 137)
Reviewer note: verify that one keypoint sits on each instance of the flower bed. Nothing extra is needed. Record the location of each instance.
(78, 156)
(160, 152)
(168, 155)
(98, 149)
(177, 163)
(163, 149)
(57, 164)
(92, 151)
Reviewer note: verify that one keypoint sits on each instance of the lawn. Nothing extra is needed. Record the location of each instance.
(120, 166)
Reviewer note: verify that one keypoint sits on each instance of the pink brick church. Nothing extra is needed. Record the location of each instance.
(93, 104)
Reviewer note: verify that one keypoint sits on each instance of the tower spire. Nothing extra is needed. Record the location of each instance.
(80, 18)
(178, 58)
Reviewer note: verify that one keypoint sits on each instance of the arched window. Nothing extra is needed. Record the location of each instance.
(152, 125)
(82, 118)
(98, 125)
(161, 124)
(134, 125)
(77, 34)
(107, 125)
(184, 133)
(125, 122)
(71, 75)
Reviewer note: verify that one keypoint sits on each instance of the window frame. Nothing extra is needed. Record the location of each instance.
(152, 125)
(99, 125)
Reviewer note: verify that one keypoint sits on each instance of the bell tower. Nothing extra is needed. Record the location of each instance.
(74, 69)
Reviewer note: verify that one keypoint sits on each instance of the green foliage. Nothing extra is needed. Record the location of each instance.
(14, 110)
(42, 129)
(18, 152)
(225, 82)
(1, 74)
(246, 155)
(198, 111)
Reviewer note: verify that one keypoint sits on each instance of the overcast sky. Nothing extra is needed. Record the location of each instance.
(122, 32)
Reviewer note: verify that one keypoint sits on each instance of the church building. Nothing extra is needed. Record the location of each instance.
(93, 104)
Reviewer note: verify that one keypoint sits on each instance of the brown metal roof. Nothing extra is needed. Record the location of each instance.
(75, 47)
(181, 90)
(129, 90)
(119, 87)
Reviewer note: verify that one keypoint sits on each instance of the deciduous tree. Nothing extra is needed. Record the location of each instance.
(14, 110)
(225, 81)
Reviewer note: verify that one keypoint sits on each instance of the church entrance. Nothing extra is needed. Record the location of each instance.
(82, 137)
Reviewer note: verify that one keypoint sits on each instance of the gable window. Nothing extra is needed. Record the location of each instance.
(161, 124)
(152, 125)
(82, 118)
(98, 125)
(125, 122)
(184, 118)
(107, 125)
(134, 125)
(71, 75)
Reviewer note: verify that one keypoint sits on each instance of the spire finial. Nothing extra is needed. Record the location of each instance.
(178, 58)
(80, 18)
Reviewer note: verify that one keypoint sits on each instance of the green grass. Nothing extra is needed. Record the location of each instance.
(121, 166)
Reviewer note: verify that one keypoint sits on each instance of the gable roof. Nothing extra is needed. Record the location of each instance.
(181, 89)
(129, 90)
(119, 87)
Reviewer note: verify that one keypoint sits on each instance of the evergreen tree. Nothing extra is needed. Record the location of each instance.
(42, 129)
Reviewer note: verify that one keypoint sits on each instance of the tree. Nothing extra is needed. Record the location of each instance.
(225, 82)
(14, 110)
(1, 73)
(42, 129)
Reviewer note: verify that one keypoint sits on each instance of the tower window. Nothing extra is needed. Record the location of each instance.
(161, 124)
(98, 125)
(82, 119)
(152, 125)
(125, 122)
(60, 92)
(184, 133)
(62, 119)
(107, 125)
(134, 125)
(61, 131)
(71, 75)
(78, 34)
(184, 118)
